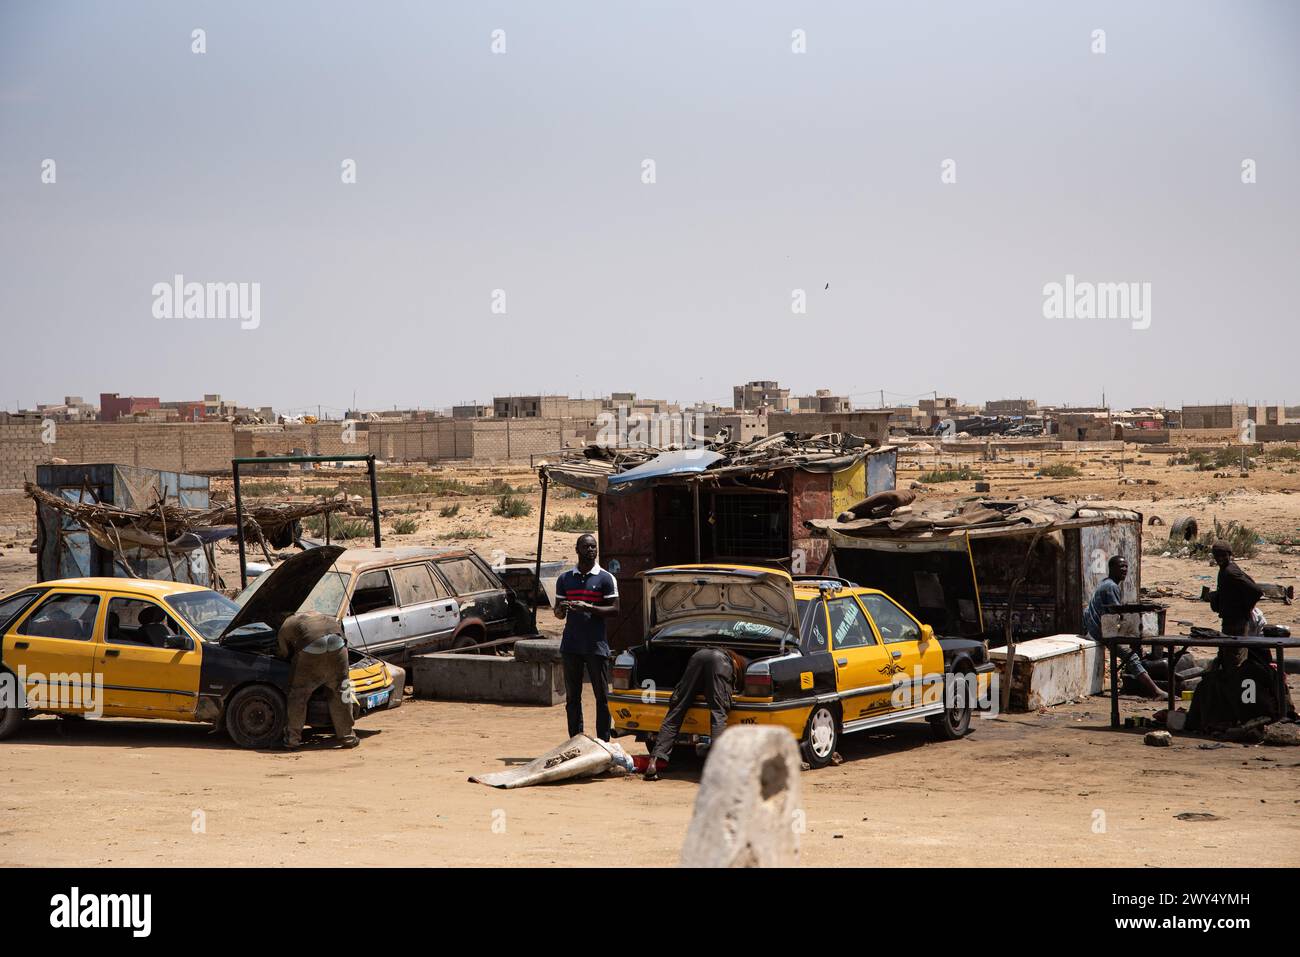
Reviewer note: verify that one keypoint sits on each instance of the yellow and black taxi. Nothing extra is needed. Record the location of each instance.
(134, 648)
(824, 657)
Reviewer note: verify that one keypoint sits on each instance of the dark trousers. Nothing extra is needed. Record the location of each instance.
(710, 671)
(307, 672)
(597, 669)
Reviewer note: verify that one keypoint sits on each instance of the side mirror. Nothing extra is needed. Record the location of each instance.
(927, 633)
(178, 642)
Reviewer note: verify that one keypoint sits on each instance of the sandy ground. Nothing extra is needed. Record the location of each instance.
(1057, 788)
(1052, 788)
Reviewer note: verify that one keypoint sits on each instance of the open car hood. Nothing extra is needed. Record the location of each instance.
(699, 591)
(286, 587)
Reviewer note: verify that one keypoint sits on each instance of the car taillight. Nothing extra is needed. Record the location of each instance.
(622, 677)
(758, 685)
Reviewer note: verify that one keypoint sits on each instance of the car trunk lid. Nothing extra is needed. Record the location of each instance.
(759, 596)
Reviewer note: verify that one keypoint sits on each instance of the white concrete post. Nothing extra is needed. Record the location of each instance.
(748, 811)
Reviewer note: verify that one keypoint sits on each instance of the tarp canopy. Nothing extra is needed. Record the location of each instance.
(676, 462)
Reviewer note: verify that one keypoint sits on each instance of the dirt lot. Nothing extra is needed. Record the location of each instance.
(1054, 788)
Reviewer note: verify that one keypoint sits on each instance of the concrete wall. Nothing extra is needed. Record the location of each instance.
(178, 447)
(480, 440)
(1278, 433)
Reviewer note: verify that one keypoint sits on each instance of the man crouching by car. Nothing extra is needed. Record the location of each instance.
(718, 673)
(313, 644)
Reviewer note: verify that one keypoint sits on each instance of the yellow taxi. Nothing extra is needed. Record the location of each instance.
(133, 648)
(824, 657)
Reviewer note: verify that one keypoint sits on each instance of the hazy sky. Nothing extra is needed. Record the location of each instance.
(775, 171)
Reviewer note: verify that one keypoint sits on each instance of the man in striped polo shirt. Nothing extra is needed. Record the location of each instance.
(584, 597)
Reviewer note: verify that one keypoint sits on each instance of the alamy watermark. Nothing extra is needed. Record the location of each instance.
(1074, 299)
(79, 692)
(179, 299)
(661, 430)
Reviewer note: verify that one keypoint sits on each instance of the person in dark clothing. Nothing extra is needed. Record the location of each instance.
(1105, 599)
(318, 656)
(585, 597)
(716, 672)
(1236, 594)
(1239, 685)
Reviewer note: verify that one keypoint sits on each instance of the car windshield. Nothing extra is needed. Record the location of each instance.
(325, 598)
(735, 629)
(207, 612)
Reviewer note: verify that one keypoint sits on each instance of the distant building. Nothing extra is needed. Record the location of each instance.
(740, 426)
(113, 407)
(471, 411)
(760, 393)
(1231, 415)
(870, 424)
(73, 409)
(544, 407)
(1011, 407)
(821, 401)
(629, 403)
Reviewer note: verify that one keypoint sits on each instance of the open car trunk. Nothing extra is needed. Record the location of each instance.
(751, 611)
(664, 662)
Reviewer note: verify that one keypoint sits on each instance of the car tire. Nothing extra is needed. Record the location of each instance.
(468, 639)
(821, 736)
(954, 722)
(11, 716)
(255, 717)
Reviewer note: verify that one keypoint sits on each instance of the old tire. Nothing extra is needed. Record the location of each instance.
(1184, 529)
(468, 639)
(11, 716)
(255, 717)
(821, 736)
(954, 722)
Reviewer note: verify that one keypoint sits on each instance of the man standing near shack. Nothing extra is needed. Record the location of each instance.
(1236, 593)
(585, 597)
(1106, 599)
(313, 644)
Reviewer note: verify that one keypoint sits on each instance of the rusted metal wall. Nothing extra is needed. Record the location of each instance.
(1098, 543)
(626, 524)
(811, 495)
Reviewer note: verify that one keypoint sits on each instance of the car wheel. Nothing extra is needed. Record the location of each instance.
(821, 736)
(954, 722)
(468, 639)
(255, 717)
(11, 717)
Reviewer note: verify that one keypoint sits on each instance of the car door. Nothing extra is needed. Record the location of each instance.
(376, 620)
(52, 649)
(142, 676)
(900, 634)
(428, 613)
(862, 670)
(479, 593)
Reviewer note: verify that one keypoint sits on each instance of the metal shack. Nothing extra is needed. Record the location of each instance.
(967, 567)
(67, 548)
(741, 504)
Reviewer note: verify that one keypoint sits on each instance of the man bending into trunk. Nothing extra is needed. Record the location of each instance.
(716, 672)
